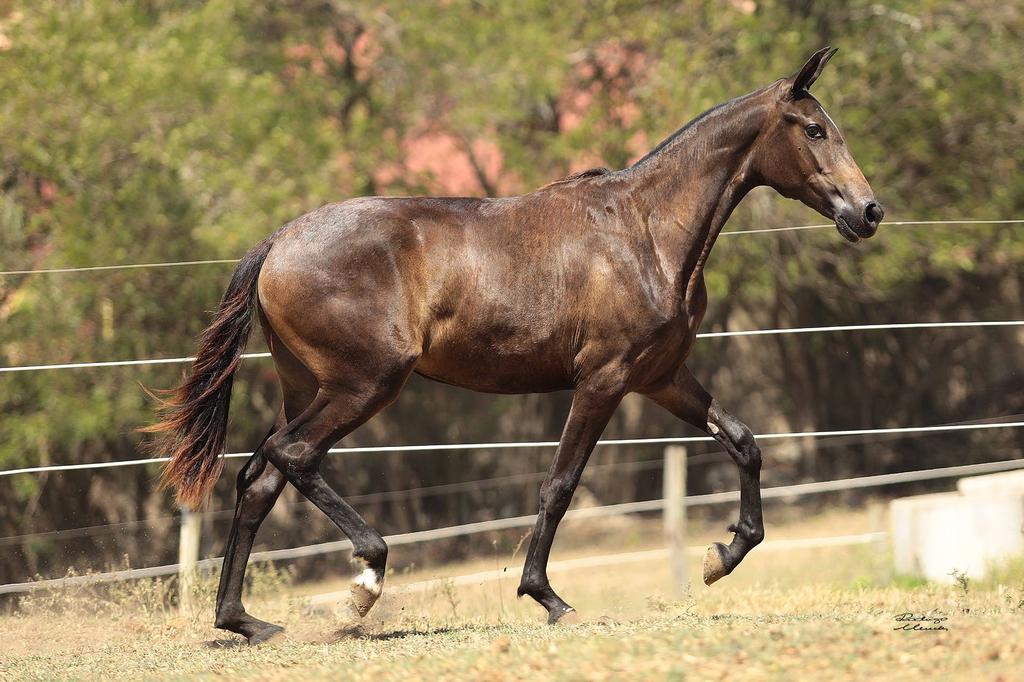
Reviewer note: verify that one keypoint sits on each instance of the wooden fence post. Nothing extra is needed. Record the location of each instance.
(674, 515)
(188, 556)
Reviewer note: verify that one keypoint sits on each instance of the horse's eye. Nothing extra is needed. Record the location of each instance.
(815, 131)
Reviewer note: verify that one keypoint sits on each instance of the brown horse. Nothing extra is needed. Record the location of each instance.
(593, 283)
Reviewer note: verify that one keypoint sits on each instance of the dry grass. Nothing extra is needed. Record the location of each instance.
(808, 614)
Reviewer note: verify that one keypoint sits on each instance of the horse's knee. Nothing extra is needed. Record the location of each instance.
(248, 474)
(750, 452)
(555, 495)
(256, 499)
(257, 478)
(290, 456)
(736, 436)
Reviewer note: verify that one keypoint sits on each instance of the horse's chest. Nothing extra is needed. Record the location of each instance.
(665, 342)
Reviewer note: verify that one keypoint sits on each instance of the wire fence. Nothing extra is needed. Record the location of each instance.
(521, 521)
(546, 444)
(367, 498)
(526, 521)
(474, 485)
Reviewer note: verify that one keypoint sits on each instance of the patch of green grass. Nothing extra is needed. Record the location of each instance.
(906, 581)
(1009, 572)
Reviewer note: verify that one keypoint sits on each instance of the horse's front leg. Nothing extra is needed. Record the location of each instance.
(592, 407)
(684, 397)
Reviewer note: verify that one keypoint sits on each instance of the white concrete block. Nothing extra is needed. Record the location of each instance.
(934, 534)
(1004, 482)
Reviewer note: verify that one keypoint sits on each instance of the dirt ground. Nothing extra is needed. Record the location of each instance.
(829, 612)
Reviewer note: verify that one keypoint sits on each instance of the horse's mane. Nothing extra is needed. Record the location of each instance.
(707, 114)
(573, 177)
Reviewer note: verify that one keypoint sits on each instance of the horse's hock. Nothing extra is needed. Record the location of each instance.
(968, 531)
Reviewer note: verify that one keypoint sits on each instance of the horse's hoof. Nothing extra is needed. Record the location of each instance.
(714, 563)
(268, 635)
(569, 617)
(365, 589)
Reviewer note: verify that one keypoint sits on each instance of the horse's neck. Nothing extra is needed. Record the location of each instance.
(691, 184)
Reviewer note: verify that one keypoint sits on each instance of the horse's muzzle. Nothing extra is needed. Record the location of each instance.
(860, 224)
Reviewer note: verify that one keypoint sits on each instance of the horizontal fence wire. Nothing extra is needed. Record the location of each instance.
(366, 498)
(125, 266)
(702, 335)
(697, 459)
(547, 444)
(765, 230)
(784, 491)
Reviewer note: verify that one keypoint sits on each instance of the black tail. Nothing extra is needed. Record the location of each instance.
(195, 417)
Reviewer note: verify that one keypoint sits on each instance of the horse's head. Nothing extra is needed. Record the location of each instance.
(805, 157)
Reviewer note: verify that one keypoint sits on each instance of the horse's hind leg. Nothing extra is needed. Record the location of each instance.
(298, 449)
(259, 485)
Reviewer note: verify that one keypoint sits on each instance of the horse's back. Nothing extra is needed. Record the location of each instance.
(490, 294)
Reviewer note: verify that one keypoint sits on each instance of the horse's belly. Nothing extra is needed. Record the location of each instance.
(493, 370)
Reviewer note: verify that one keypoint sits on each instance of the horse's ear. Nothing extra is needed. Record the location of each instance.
(801, 83)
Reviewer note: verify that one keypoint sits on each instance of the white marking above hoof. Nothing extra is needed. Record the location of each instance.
(368, 580)
(570, 617)
(365, 589)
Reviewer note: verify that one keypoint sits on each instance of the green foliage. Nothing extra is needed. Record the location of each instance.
(908, 582)
(1007, 572)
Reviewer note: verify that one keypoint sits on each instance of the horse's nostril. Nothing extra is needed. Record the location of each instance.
(873, 213)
